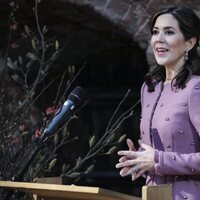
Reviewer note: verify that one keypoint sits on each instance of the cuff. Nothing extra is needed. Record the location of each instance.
(158, 162)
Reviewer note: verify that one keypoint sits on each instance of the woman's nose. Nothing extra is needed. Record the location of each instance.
(160, 37)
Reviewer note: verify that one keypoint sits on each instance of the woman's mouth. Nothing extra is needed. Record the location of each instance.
(161, 50)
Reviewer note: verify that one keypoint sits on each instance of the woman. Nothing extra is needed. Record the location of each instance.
(170, 125)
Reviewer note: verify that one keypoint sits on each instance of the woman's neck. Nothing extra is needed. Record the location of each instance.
(172, 69)
(172, 72)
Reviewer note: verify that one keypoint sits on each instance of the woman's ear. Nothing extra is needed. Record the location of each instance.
(190, 43)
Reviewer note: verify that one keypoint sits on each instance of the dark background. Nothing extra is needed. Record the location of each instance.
(113, 64)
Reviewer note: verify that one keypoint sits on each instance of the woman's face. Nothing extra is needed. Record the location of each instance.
(168, 42)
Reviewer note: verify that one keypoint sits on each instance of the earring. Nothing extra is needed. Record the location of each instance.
(186, 55)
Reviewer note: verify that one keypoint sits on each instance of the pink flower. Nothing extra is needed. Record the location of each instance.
(22, 127)
(51, 110)
(13, 27)
(14, 45)
(37, 133)
(23, 35)
(15, 140)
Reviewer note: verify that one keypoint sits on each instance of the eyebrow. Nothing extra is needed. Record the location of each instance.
(165, 28)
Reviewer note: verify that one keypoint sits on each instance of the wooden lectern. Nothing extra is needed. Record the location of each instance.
(46, 191)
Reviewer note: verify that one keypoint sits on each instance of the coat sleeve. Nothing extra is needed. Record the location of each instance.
(172, 163)
(142, 105)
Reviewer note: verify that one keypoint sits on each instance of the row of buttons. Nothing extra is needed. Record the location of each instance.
(162, 104)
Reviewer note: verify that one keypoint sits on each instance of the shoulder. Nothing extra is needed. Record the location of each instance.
(193, 82)
(155, 83)
(144, 86)
(144, 93)
(193, 89)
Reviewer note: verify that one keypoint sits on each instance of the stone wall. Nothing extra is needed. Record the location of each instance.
(133, 15)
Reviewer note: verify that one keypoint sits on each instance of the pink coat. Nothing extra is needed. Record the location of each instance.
(171, 123)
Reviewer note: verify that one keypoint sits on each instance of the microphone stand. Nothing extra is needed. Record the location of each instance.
(19, 177)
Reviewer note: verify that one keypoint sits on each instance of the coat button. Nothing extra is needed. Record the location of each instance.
(193, 170)
(167, 119)
(197, 87)
(174, 157)
(176, 90)
(147, 105)
(184, 104)
(181, 131)
(192, 143)
(142, 132)
(162, 104)
(168, 146)
(185, 197)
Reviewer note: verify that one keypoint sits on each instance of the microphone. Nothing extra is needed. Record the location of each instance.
(69, 107)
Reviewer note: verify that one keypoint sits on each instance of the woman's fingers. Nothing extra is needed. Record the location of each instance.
(132, 162)
(135, 169)
(123, 171)
(127, 163)
(123, 158)
(131, 154)
(135, 163)
(130, 145)
(131, 148)
(144, 146)
(138, 174)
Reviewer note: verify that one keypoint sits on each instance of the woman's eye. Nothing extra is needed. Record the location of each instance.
(169, 32)
(154, 32)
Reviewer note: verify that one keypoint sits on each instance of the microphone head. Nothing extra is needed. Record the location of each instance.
(77, 96)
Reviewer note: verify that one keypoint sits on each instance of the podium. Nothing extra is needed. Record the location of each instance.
(46, 191)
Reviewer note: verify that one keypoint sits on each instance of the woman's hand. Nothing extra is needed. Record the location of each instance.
(134, 162)
(125, 158)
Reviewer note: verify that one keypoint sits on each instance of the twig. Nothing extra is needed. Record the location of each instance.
(43, 90)
(59, 87)
(117, 109)
(109, 131)
(74, 78)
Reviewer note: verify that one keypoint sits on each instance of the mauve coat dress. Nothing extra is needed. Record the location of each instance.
(170, 122)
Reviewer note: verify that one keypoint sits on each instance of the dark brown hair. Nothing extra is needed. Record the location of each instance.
(189, 24)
